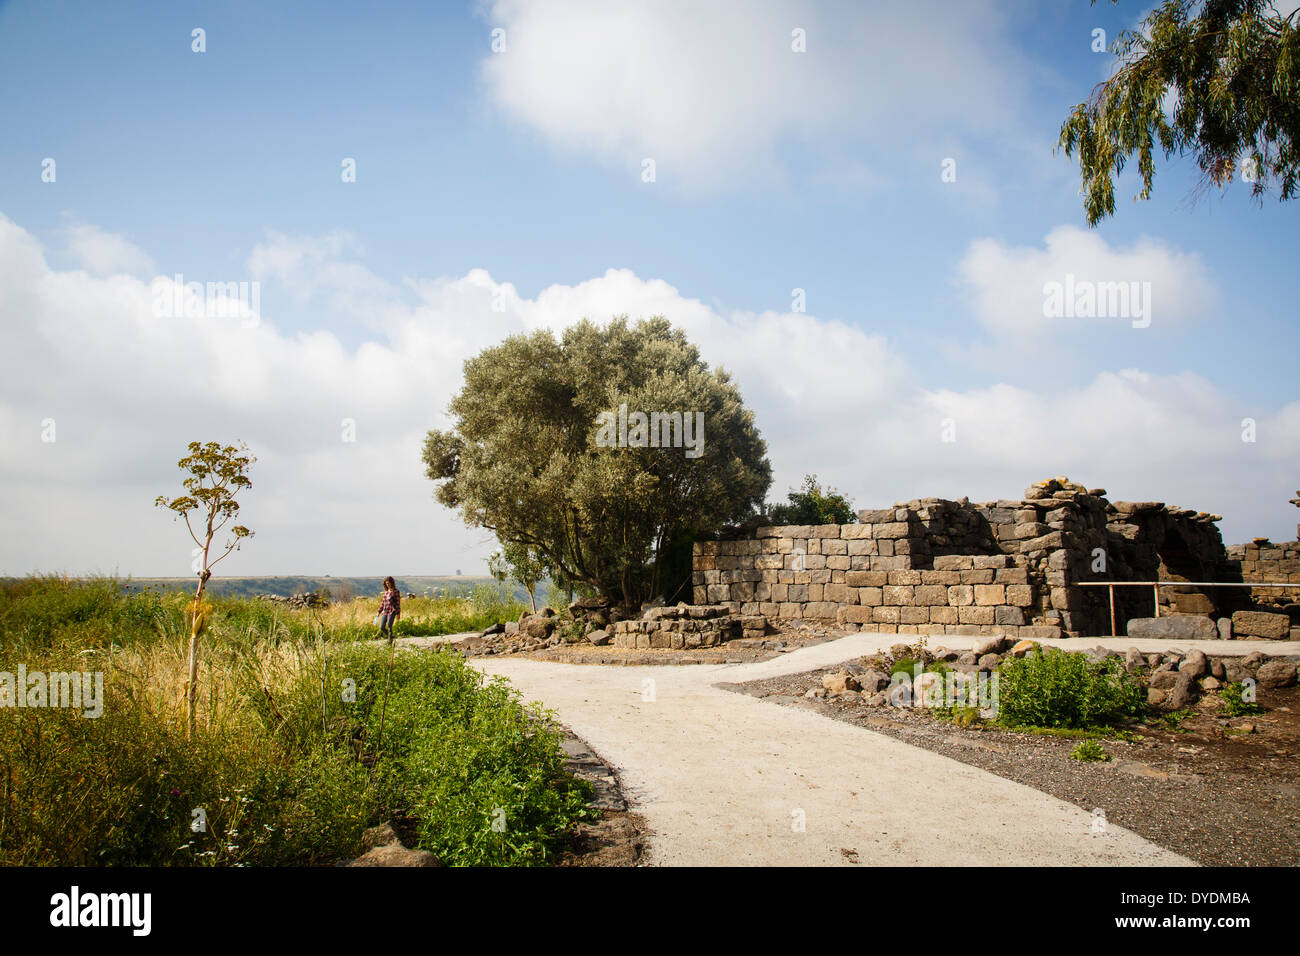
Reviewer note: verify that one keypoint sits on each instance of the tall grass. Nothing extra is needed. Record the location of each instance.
(53, 611)
(284, 768)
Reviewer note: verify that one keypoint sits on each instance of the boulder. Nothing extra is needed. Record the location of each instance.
(994, 645)
(1225, 628)
(383, 848)
(1163, 680)
(1183, 694)
(1261, 624)
(494, 629)
(872, 681)
(394, 854)
(989, 662)
(1177, 627)
(1276, 673)
(599, 637)
(924, 683)
(1021, 648)
(538, 627)
(840, 682)
(379, 836)
(1195, 663)
(1133, 660)
(1210, 683)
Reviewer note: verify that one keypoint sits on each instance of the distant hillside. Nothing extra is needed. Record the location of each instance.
(339, 588)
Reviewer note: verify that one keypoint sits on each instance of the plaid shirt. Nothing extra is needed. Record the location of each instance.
(391, 603)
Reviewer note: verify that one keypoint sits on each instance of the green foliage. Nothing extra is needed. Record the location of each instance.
(1065, 689)
(216, 474)
(38, 613)
(1234, 704)
(524, 460)
(521, 564)
(1232, 66)
(961, 716)
(276, 768)
(905, 665)
(1089, 751)
(1174, 719)
(812, 505)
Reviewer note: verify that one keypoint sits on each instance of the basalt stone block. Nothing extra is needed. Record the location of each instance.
(1261, 624)
(1008, 616)
(1020, 595)
(953, 562)
(1178, 627)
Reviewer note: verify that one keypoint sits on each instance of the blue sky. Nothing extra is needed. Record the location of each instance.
(775, 170)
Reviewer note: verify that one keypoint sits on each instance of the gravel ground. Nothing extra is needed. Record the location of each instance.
(1221, 792)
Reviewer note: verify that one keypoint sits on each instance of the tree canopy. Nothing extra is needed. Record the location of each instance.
(811, 505)
(1215, 78)
(600, 453)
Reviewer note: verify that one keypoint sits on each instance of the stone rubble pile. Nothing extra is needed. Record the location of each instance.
(298, 601)
(1175, 680)
(595, 621)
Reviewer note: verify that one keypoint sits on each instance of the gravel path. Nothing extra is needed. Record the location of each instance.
(727, 779)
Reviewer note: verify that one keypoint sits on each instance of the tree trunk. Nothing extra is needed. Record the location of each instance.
(192, 692)
(192, 695)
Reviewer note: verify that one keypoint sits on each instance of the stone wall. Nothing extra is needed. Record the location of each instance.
(1009, 567)
(1261, 560)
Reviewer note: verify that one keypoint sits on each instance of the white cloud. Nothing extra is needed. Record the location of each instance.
(127, 390)
(103, 253)
(1007, 283)
(710, 91)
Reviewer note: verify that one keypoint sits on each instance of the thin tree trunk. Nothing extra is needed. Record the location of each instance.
(193, 694)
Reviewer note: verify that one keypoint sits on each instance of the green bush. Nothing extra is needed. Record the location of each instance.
(286, 770)
(1233, 703)
(1089, 751)
(1065, 689)
(812, 505)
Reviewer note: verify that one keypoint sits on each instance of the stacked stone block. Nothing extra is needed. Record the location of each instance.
(1262, 560)
(1009, 567)
(685, 626)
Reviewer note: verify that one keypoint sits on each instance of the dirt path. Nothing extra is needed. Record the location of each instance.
(726, 779)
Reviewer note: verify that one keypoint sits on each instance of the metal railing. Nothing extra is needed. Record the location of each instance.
(1110, 587)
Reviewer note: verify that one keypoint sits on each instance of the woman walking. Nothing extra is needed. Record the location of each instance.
(390, 607)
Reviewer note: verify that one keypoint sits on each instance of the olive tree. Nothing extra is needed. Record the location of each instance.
(600, 453)
(216, 474)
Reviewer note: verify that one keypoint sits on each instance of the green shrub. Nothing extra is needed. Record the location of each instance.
(1065, 689)
(905, 665)
(285, 773)
(1233, 703)
(1089, 751)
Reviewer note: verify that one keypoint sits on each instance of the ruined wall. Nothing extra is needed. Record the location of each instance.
(1262, 560)
(935, 566)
